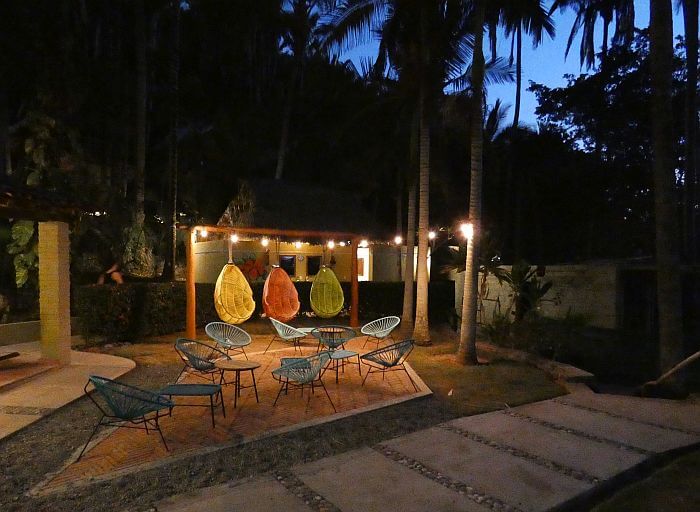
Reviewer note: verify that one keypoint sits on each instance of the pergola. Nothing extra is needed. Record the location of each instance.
(191, 316)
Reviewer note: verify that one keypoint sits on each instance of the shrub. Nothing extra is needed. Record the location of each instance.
(130, 311)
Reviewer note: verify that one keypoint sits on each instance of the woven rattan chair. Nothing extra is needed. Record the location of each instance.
(199, 359)
(286, 333)
(280, 297)
(228, 337)
(379, 330)
(126, 406)
(327, 297)
(233, 297)
(389, 358)
(299, 372)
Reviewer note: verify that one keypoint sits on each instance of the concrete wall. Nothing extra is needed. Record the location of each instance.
(22, 332)
(589, 290)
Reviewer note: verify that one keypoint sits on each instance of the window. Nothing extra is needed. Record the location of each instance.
(313, 265)
(289, 265)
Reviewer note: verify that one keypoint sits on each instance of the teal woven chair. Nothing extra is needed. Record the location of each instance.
(379, 330)
(126, 406)
(284, 332)
(389, 358)
(299, 372)
(199, 359)
(229, 337)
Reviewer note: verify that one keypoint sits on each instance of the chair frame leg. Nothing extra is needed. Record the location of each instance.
(94, 431)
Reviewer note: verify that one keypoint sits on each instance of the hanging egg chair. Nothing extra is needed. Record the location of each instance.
(280, 297)
(233, 297)
(326, 294)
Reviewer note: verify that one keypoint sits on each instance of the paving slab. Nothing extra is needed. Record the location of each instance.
(515, 481)
(262, 494)
(366, 481)
(665, 413)
(597, 459)
(642, 436)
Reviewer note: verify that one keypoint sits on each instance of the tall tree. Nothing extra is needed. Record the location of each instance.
(668, 278)
(588, 12)
(690, 181)
(466, 352)
(141, 102)
(516, 17)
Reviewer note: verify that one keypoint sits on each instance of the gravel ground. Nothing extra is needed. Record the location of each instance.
(26, 457)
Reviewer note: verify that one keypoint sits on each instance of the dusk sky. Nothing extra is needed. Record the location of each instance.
(545, 64)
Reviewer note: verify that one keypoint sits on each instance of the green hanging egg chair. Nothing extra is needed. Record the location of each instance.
(233, 297)
(326, 294)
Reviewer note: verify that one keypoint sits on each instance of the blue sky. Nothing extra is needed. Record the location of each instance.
(545, 64)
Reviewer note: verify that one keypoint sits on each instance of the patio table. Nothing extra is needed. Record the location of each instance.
(339, 358)
(333, 336)
(210, 390)
(238, 366)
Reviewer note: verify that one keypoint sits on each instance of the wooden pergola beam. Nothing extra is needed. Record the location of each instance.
(191, 312)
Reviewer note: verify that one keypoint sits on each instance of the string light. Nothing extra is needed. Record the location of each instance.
(265, 242)
(234, 238)
(331, 244)
(398, 240)
(342, 244)
(297, 244)
(364, 243)
(431, 235)
(203, 233)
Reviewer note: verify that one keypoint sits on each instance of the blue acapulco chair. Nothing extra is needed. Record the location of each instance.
(389, 358)
(299, 372)
(229, 337)
(199, 359)
(379, 330)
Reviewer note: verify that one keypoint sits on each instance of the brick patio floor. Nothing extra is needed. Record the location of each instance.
(189, 430)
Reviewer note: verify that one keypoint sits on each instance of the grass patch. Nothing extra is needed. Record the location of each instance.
(673, 488)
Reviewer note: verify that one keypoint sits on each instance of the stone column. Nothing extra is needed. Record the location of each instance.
(54, 291)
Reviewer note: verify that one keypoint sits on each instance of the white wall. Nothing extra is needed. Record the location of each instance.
(589, 290)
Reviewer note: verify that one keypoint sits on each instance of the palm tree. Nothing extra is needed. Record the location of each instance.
(668, 278)
(587, 14)
(516, 17)
(690, 22)
(466, 352)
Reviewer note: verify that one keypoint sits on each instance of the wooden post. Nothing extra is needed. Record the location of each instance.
(191, 318)
(354, 288)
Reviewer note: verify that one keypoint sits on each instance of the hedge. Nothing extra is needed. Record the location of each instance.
(131, 311)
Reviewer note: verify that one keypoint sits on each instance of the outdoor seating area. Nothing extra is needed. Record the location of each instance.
(239, 399)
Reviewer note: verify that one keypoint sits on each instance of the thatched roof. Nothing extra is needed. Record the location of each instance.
(282, 205)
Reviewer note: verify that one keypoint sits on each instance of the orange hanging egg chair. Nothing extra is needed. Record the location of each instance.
(280, 297)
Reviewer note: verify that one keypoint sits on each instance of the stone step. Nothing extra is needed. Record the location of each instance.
(624, 432)
(515, 481)
(366, 481)
(593, 458)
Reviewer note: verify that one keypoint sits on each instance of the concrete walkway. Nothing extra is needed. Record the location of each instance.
(540, 456)
(48, 387)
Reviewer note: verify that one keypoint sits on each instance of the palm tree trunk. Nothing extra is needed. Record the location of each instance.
(466, 353)
(690, 21)
(171, 254)
(139, 177)
(399, 216)
(518, 74)
(668, 278)
(284, 136)
(408, 274)
(421, 327)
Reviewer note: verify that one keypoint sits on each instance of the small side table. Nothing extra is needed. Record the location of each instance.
(238, 366)
(339, 358)
(210, 390)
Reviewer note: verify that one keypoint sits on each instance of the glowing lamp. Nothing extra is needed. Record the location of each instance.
(203, 233)
(398, 240)
(297, 244)
(467, 229)
(234, 238)
(431, 235)
(331, 244)
(364, 243)
(265, 242)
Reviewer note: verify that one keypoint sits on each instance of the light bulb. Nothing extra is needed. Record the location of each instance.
(265, 242)
(203, 233)
(431, 235)
(398, 240)
(234, 238)
(331, 244)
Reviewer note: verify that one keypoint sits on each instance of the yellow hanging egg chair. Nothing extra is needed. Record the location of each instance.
(233, 297)
(326, 294)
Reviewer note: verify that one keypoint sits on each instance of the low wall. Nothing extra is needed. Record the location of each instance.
(589, 290)
(21, 332)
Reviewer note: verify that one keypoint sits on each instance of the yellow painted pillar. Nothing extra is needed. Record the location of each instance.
(54, 291)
